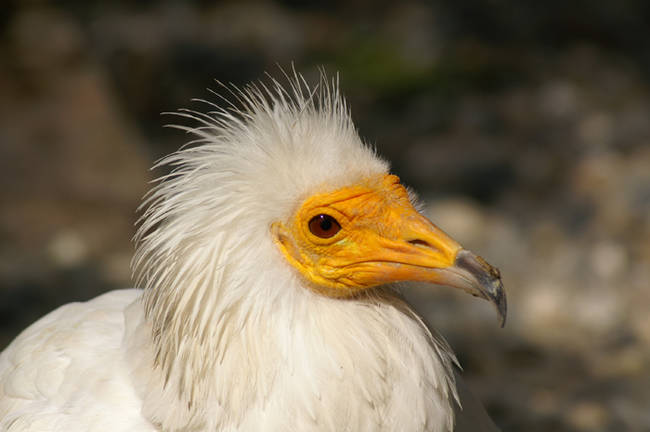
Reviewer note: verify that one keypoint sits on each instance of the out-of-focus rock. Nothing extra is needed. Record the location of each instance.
(461, 218)
(588, 416)
(559, 99)
(608, 260)
(67, 249)
(545, 303)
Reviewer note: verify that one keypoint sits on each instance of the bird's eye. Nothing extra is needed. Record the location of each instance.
(324, 226)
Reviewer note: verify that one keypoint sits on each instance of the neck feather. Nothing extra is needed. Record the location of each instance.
(300, 354)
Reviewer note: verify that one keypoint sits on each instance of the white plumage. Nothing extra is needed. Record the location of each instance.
(226, 335)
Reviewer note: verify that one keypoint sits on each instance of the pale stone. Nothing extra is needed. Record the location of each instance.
(588, 416)
(67, 248)
(608, 259)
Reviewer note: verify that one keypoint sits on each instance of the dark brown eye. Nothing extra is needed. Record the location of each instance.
(324, 226)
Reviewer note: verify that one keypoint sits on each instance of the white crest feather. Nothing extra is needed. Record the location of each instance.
(233, 327)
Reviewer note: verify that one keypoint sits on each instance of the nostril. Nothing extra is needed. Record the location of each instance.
(418, 242)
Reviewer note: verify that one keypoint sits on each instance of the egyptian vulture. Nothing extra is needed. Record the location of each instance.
(268, 263)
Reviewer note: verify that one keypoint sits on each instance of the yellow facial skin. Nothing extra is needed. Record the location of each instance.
(382, 239)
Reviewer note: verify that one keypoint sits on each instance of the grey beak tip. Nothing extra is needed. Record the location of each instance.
(497, 296)
(488, 279)
(502, 310)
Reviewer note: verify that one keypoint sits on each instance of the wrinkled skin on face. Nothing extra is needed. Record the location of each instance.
(370, 234)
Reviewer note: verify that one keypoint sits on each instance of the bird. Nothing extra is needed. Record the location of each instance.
(268, 270)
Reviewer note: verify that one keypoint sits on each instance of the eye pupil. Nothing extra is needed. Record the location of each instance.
(324, 226)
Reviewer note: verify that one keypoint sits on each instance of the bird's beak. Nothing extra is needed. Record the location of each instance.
(423, 252)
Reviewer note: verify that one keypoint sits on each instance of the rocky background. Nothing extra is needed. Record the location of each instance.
(524, 125)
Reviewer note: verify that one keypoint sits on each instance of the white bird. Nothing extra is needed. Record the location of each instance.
(268, 262)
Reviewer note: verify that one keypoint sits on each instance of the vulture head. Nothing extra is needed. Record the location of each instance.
(270, 257)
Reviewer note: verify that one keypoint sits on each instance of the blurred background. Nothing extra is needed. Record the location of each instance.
(525, 126)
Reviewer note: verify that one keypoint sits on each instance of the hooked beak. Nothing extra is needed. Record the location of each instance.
(423, 252)
(474, 275)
